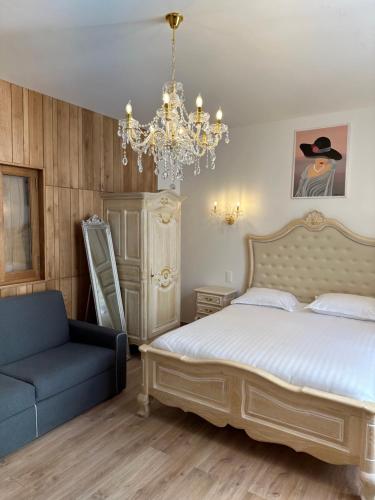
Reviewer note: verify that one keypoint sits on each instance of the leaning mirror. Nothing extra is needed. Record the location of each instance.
(103, 273)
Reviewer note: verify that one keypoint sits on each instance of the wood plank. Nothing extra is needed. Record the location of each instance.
(35, 128)
(17, 124)
(83, 268)
(56, 221)
(53, 284)
(81, 175)
(147, 181)
(54, 142)
(198, 484)
(11, 489)
(127, 171)
(5, 121)
(143, 178)
(118, 168)
(86, 203)
(80, 289)
(97, 204)
(50, 232)
(108, 138)
(87, 173)
(120, 478)
(39, 287)
(64, 233)
(8, 291)
(74, 146)
(48, 140)
(97, 147)
(86, 210)
(75, 297)
(62, 178)
(26, 130)
(21, 290)
(66, 290)
(135, 176)
(76, 231)
(150, 179)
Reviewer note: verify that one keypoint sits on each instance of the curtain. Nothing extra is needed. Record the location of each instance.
(17, 227)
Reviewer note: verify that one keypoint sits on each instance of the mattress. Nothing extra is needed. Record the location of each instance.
(332, 354)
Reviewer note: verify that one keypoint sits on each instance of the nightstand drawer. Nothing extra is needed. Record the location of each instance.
(209, 299)
(203, 309)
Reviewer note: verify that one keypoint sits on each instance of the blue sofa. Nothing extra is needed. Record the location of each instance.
(51, 368)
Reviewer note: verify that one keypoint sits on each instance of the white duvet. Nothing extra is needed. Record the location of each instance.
(329, 353)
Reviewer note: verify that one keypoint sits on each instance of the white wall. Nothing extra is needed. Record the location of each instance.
(255, 169)
(166, 184)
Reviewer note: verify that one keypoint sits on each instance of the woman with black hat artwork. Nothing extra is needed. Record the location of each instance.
(318, 176)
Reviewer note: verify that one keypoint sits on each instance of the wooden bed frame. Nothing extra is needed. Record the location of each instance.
(307, 257)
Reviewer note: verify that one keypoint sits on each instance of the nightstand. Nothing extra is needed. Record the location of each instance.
(210, 299)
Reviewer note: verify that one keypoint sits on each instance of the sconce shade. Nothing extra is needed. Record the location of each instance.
(228, 216)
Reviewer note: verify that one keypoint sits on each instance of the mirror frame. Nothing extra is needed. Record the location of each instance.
(92, 224)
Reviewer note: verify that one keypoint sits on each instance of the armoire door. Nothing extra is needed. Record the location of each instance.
(164, 266)
(125, 223)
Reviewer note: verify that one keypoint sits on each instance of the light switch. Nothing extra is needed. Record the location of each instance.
(228, 276)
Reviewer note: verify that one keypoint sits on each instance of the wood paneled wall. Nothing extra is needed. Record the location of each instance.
(80, 155)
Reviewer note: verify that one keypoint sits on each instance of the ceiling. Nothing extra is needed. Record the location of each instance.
(260, 60)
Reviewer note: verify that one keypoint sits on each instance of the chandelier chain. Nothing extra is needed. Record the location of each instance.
(173, 74)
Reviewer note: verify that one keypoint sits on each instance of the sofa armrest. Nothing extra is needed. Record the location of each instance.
(88, 333)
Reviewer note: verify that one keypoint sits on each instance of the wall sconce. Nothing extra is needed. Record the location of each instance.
(229, 216)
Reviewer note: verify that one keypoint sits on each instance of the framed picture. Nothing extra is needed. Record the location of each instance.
(320, 162)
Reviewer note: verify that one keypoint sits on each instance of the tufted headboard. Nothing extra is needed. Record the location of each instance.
(311, 256)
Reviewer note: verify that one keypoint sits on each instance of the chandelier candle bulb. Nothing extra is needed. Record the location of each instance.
(128, 108)
(174, 137)
(215, 207)
(199, 102)
(166, 98)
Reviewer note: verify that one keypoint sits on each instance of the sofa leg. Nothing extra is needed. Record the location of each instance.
(143, 405)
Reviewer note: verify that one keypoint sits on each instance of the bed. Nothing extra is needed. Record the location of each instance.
(317, 394)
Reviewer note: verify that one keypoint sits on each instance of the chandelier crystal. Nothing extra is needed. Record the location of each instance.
(174, 137)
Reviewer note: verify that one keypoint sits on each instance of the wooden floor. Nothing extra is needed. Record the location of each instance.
(111, 453)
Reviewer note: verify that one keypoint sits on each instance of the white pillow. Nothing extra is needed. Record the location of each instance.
(269, 297)
(344, 304)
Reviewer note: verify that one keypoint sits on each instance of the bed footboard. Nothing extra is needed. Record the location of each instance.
(335, 429)
(367, 459)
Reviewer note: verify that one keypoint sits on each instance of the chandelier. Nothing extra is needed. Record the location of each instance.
(174, 137)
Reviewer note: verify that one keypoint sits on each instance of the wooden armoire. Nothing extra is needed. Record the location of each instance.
(146, 233)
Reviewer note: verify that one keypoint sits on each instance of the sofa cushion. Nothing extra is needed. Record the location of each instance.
(30, 324)
(60, 368)
(15, 396)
